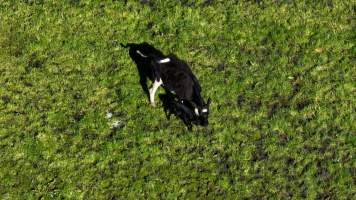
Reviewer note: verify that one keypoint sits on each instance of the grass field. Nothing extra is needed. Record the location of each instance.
(281, 76)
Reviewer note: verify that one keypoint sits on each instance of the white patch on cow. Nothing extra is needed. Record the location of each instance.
(204, 110)
(196, 111)
(153, 90)
(166, 60)
(141, 54)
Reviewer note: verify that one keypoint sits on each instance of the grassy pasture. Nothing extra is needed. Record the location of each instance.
(281, 75)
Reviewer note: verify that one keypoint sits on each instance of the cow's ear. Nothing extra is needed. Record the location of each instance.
(209, 101)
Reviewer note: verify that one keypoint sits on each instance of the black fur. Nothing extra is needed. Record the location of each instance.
(179, 109)
(144, 66)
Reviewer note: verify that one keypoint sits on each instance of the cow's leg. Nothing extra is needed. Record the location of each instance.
(153, 90)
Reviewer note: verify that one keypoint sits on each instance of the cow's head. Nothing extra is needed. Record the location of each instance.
(202, 113)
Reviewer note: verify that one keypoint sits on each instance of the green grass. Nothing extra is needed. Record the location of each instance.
(282, 122)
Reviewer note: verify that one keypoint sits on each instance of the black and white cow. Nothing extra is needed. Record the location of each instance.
(173, 74)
